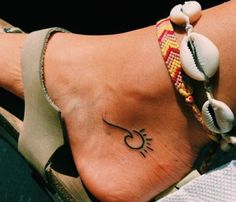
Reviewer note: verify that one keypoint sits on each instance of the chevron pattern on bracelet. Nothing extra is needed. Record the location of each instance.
(171, 55)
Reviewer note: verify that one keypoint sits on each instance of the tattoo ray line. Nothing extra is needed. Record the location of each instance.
(142, 130)
(142, 154)
(150, 148)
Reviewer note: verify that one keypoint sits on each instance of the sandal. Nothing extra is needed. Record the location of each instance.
(43, 141)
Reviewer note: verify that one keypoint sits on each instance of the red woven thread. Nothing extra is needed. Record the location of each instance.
(171, 55)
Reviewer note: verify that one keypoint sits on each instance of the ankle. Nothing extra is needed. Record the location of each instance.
(59, 70)
(74, 70)
(131, 88)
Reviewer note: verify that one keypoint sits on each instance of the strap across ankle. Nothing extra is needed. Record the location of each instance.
(42, 132)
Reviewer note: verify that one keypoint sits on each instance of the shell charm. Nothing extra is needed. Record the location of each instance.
(200, 60)
(217, 116)
(199, 56)
(191, 9)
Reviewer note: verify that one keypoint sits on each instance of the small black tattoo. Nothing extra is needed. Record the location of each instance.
(144, 143)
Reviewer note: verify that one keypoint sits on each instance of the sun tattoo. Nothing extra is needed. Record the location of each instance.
(135, 139)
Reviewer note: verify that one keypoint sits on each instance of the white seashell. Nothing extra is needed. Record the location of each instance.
(206, 56)
(192, 9)
(218, 120)
(177, 16)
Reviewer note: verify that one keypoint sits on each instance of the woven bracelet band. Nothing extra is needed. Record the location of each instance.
(198, 57)
(171, 54)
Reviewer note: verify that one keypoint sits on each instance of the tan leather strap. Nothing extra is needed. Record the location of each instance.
(42, 133)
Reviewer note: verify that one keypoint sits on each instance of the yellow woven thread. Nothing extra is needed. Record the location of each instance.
(171, 55)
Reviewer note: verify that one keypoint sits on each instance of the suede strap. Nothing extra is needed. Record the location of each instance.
(42, 133)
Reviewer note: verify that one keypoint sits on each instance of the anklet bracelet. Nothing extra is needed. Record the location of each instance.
(198, 58)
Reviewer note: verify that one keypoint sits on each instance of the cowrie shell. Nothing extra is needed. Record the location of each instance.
(192, 9)
(217, 116)
(199, 56)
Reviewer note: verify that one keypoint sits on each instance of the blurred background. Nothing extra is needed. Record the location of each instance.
(90, 16)
(84, 17)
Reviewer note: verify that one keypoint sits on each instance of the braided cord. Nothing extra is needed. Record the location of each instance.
(171, 55)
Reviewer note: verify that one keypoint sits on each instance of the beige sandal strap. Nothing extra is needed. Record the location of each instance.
(42, 133)
(42, 130)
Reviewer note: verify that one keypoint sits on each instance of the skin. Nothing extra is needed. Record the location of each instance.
(122, 79)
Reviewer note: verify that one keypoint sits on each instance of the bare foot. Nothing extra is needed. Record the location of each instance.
(124, 124)
(131, 135)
